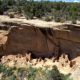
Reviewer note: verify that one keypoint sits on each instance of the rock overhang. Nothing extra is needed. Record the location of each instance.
(58, 39)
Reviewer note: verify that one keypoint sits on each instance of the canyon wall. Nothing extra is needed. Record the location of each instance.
(45, 42)
(39, 41)
(69, 42)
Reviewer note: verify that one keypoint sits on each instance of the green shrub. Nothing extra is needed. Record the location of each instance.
(48, 18)
(56, 75)
(11, 15)
(31, 74)
(74, 21)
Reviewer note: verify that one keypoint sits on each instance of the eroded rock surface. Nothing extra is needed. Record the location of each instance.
(41, 42)
(22, 42)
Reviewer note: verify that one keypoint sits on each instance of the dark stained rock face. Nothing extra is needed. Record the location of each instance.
(69, 42)
(45, 42)
(31, 39)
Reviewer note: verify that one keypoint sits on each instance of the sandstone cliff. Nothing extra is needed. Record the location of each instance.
(43, 41)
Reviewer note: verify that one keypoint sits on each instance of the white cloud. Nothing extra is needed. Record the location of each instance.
(76, 1)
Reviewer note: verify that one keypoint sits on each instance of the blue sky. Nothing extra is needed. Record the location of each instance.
(63, 0)
(67, 0)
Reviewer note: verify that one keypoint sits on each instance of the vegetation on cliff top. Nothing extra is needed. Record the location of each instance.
(59, 11)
